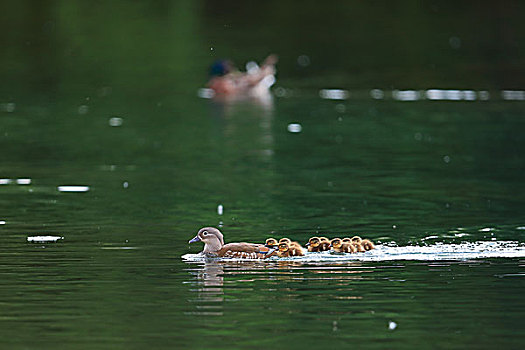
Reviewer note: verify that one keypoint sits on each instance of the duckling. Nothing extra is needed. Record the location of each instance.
(356, 239)
(367, 244)
(313, 244)
(316, 244)
(339, 247)
(325, 244)
(359, 248)
(291, 243)
(286, 250)
(271, 243)
(347, 240)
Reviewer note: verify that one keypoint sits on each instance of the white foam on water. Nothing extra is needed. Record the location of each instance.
(44, 239)
(334, 94)
(23, 181)
(73, 188)
(437, 251)
(205, 93)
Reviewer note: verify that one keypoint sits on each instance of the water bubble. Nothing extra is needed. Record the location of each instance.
(334, 94)
(294, 127)
(83, 109)
(303, 61)
(513, 95)
(455, 42)
(220, 209)
(44, 239)
(280, 92)
(394, 226)
(392, 325)
(341, 108)
(125, 184)
(73, 188)
(10, 107)
(6, 181)
(484, 95)
(406, 95)
(377, 94)
(205, 93)
(446, 159)
(23, 181)
(115, 121)
(2, 222)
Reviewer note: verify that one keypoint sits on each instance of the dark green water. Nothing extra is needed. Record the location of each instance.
(397, 172)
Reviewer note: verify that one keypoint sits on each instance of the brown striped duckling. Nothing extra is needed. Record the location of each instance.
(365, 243)
(271, 243)
(325, 244)
(313, 244)
(214, 246)
(347, 240)
(339, 246)
(287, 250)
(356, 241)
(291, 243)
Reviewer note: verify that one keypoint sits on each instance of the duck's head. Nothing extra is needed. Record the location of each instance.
(211, 237)
(314, 242)
(336, 243)
(287, 240)
(347, 240)
(284, 247)
(356, 239)
(271, 242)
(324, 239)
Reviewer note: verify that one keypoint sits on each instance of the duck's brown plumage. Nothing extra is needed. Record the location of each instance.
(214, 246)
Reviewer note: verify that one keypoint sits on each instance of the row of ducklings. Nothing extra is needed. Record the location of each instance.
(286, 247)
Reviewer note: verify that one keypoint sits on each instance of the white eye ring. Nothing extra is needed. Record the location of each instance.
(204, 233)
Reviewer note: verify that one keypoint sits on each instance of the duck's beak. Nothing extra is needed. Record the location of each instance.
(307, 244)
(195, 239)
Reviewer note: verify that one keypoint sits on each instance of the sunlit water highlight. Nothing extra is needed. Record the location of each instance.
(438, 251)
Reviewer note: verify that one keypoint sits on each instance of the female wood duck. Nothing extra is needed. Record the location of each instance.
(287, 250)
(339, 246)
(214, 246)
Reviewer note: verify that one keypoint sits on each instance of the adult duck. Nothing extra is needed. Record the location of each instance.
(214, 246)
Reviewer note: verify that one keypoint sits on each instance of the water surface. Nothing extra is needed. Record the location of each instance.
(105, 142)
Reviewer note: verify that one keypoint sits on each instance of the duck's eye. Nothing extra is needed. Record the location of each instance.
(204, 233)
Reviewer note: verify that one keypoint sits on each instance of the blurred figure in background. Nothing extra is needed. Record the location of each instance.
(228, 82)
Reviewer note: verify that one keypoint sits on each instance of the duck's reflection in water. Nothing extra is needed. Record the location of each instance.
(285, 279)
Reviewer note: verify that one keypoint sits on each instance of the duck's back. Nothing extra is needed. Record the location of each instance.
(245, 250)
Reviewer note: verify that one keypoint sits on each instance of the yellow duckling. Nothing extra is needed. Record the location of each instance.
(339, 246)
(271, 243)
(286, 250)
